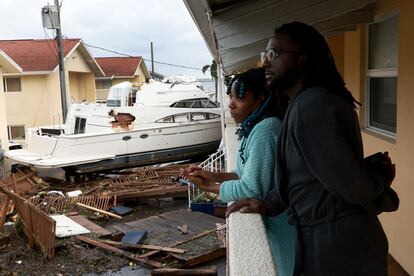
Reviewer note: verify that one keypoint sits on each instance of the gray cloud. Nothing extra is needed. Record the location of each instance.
(126, 26)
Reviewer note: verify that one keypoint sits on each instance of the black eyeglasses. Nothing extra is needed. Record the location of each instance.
(272, 53)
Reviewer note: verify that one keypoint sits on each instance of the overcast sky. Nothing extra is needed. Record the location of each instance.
(126, 26)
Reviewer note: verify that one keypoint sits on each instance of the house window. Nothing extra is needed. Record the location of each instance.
(106, 84)
(12, 84)
(80, 124)
(16, 132)
(382, 76)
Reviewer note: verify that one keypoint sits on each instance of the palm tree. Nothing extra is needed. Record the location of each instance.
(213, 73)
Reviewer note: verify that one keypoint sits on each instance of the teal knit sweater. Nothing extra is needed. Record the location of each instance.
(256, 178)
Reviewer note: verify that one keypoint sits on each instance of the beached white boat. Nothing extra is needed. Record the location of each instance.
(173, 121)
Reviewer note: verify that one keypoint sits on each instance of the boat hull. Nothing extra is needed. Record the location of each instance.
(146, 158)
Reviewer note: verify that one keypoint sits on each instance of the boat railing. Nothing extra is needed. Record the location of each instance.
(215, 163)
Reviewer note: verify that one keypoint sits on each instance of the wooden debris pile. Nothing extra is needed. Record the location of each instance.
(166, 245)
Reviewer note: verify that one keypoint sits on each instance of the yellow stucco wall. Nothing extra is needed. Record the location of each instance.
(75, 62)
(32, 105)
(397, 225)
(336, 44)
(119, 80)
(81, 84)
(81, 88)
(3, 118)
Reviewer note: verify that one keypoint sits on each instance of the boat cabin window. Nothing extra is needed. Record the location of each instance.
(195, 103)
(200, 116)
(113, 103)
(209, 104)
(188, 117)
(80, 124)
(180, 118)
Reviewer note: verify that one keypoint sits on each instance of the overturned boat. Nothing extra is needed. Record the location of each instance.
(159, 122)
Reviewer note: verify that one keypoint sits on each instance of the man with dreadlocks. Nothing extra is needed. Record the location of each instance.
(260, 115)
(322, 180)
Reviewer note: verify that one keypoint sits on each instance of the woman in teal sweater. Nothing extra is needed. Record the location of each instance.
(260, 117)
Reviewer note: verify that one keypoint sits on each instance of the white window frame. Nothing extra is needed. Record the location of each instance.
(5, 86)
(377, 73)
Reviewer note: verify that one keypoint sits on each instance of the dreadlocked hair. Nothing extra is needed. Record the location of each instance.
(254, 80)
(318, 68)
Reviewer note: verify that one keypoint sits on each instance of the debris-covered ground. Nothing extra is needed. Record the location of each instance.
(149, 193)
(72, 257)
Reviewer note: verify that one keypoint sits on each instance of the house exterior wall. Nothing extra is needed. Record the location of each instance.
(39, 102)
(336, 44)
(115, 81)
(34, 104)
(81, 79)
(82, 87)
(397, 225)
(3, 118)
(139, 75)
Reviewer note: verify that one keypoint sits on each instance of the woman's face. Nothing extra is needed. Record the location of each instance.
(240, 109)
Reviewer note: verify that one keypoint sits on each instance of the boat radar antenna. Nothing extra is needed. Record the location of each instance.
(51, 20)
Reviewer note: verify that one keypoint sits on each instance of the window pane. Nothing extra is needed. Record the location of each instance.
(106, 84)
(383, 44)
(198, 116)
(80, 124)
(179, 118)
(383, 103)
(13, 85)
(197, 104)
(16, 132)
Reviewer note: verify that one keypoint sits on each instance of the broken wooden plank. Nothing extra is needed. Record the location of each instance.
(165, 192)
(144, 246)
(205, 271)
(3, 212)
(194, 237)
(14, 183)
(98, 210)
(94, 228)
(204, 258)
(120, 252)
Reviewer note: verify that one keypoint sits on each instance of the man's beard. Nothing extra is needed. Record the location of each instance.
(282, 83)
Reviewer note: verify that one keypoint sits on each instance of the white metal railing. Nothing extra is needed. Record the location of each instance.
(215, 163)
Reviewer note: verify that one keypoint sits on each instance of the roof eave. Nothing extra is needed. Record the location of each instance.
(237, 33)
(9, 64)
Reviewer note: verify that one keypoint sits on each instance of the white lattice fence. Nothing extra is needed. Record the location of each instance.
(215, 163)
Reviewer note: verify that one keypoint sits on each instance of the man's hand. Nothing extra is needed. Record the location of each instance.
(380, 163)
(247, 206)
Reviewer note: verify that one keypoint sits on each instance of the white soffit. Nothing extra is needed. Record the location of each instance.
(237, 31)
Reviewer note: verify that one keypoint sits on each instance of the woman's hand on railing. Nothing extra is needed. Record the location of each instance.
(247, 206)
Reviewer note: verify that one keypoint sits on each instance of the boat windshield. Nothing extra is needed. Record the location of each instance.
(195, 103)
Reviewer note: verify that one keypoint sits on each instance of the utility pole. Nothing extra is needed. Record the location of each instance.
(61, 65)
(152, 61)
(51, 20)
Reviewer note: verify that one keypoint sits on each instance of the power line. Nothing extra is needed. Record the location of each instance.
(158, 62)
